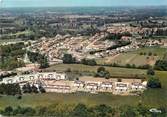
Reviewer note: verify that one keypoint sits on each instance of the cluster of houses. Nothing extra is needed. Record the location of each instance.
(59, 83)
(94, 85)
(33, 77)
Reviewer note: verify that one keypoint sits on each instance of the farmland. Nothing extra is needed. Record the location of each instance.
(136, 57)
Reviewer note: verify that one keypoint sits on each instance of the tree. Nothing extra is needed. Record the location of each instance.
(27, 88)
(10, 89)
(8, 110)
(41, 89)
(141, 53)
(101, 69)
(39, 58)
(150, 72)
(155, 54)
(91, 62)
(119, 80)
(80, 111)
(154, 82)
(102, 72)
(24, 111)
(150, 54)
(19, 97)
(68, 59)
(102, 110)
(161, 65)
(127, 111)
(34, 89)
(68, 70)
(43, 62)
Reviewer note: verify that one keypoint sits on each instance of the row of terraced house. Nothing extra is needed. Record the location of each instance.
(58, 82)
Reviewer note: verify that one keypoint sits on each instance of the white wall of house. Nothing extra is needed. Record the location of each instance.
(30, 77)
(121, 87)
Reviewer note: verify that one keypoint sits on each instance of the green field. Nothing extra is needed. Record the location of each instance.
(134, 57)
(85, 68)
(54, 98)
(9, 40)
(150, 98)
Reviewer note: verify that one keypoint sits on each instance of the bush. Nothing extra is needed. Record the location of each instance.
(68, 70)
(68, 59)
(19, 97)
(154, 82)
(119, 80)
(80, 111)
(141, 53)
(150, 54)
(150, 72)
(147, 66)
(8, 110)
(91, 62)
(161, 65)
(10, 89)
(102, 72)
(101, 69)
(155, 54)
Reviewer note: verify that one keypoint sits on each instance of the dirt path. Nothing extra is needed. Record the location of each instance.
(109, 59)
(131, 59)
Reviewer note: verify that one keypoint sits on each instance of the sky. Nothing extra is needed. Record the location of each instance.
(70, 3)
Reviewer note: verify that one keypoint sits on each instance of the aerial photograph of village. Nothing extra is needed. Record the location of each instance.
(83, 58)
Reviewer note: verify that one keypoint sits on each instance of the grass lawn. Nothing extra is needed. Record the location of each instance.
(47, 99)
(150, 98)
(157, 97)
(86, 68)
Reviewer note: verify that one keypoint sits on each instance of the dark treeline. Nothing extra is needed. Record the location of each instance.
(117, 36)
(12, 50)
(153, 24)
(81, 110)
(133, 66)
(9, 55)
(161, 65)
(7, 75)
(10, 89)
(90, 62)
(27, 88)
(15, 89)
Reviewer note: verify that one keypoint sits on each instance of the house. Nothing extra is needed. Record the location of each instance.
(58, 86)
(19, 79)
(106, 86)
(35, 76)
(58, 89)
(92, 87)
(93, 84)
(79, 84)
(51, 76)
(121, 87)
(137, 86)
(90, 79)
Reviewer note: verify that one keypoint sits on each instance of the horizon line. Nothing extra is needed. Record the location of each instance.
(81, 6)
